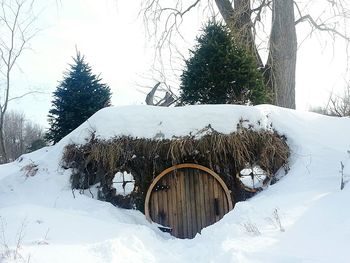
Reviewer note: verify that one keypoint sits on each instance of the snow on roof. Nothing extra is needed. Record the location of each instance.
(165, 122)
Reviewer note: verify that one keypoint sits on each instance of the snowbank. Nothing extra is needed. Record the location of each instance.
(302, 218)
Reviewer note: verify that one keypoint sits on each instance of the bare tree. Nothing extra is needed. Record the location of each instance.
(17, 29)
(21, 135)
(13, 134)
(246, 18)
(339, 105)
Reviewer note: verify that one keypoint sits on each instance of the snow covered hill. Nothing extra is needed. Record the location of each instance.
(305, 217)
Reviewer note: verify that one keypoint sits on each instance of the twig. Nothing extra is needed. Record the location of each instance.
(342, 183)
(321, 27)
(26, 94)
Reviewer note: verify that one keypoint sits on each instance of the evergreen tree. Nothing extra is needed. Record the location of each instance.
(220, 72)
(77, 97)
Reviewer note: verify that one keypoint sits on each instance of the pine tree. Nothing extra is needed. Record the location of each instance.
(220, 72)
(78, 96)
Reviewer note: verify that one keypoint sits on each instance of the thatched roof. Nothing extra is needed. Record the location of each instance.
(98, 160)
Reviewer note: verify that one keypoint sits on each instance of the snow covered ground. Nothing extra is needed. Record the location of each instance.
(305, 217)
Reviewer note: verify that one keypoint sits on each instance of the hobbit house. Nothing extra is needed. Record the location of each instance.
(182, 183)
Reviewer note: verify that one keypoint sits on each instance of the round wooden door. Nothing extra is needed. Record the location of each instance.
(185, 198)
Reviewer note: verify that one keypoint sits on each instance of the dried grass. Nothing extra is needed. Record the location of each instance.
(227, 154)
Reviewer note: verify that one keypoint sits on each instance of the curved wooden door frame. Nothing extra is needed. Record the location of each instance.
(181, 166)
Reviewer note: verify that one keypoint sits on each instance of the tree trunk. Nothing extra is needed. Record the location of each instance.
(3, 153)
(238, 19)
(281, 64)
(279, 71)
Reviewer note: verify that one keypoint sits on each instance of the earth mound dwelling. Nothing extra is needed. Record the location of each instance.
(181, 183)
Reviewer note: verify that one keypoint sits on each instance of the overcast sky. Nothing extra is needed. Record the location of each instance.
(111, 36)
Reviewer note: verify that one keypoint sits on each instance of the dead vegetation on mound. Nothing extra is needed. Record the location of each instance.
(99, 160)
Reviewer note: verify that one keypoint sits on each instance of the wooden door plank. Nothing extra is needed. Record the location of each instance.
(151, 207)
(222, 196)
(192, 202)
(206, 198)
(155, 207)
(167, 200)
(178, 203)
(189, 211)
(188, 205)
(163, 203)
(197, 201)
(184, 205)
(211, 200)
(224, 202)
(172, 204)
(202, 198)
(171, 210)
(217, 201)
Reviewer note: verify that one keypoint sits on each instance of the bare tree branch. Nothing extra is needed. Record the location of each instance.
(150, 95)
(168, 99)
(321, 26)
(261, 6)
(339, 104)
(17, 21)
(154, 12)
(258, 10)
(26, 94)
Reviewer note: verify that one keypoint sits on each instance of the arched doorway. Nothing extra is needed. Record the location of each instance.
(185, 198)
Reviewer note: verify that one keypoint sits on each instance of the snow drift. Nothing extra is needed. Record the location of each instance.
(302, 218)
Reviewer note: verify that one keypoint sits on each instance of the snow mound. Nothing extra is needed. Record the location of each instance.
(163, 122)
(302, 218)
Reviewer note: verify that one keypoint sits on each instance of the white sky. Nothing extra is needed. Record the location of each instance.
(112, 38)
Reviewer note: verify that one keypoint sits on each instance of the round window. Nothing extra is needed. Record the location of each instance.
(124, 183)
(253, 178)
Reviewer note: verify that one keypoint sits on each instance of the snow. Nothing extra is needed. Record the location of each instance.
(302, 218)
(253, 177)
(159, 123)
(121, 178)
